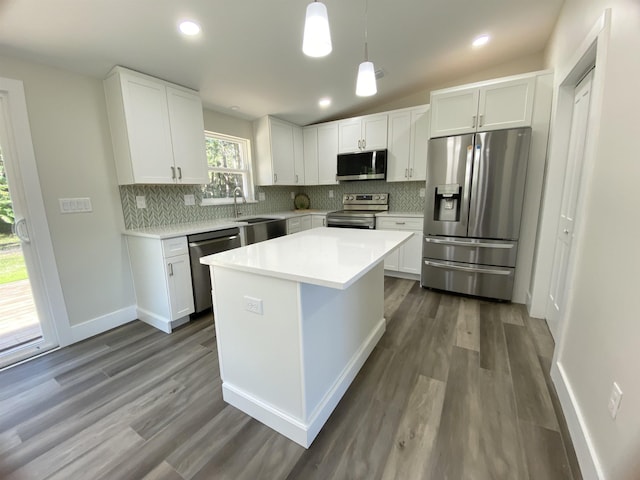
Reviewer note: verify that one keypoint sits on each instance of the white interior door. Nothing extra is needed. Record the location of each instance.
(30, 225)
(570, 194)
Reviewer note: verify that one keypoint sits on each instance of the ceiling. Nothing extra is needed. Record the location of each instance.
(249, 53)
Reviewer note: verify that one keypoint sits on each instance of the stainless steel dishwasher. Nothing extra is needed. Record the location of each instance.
(201, 245)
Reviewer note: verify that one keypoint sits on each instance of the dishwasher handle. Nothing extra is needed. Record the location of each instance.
(212, 241)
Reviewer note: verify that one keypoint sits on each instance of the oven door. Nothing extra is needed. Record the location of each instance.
(350, 222)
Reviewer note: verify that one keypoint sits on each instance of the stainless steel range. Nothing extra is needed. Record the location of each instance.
(359, 210)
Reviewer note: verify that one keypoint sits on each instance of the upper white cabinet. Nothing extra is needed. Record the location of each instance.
(279, 152)
(407, 138)
(362, 133)
(492, 106)
(320, 153)
(157, 130)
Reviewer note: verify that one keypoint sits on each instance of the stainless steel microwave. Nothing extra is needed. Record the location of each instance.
(362, 166)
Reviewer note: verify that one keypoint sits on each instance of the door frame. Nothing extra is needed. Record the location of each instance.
(25, 185)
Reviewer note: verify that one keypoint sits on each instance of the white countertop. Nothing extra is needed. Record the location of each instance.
(329, 257)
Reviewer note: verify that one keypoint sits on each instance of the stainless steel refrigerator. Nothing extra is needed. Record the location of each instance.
(474, 196)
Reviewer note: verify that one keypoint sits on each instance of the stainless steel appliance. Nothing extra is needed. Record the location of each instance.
(362, 166)
(474, 195)
(200, 245)
(359, 210)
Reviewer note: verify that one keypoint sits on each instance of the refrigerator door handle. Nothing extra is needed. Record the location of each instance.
(462, 243)
(491, 271)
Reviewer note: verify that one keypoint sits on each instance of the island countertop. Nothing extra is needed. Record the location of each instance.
(328, 257)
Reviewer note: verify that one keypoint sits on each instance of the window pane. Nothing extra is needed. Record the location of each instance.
(224, 154)
(222, 185)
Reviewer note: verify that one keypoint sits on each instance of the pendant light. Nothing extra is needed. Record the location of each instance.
(316, 41)
(366, 82)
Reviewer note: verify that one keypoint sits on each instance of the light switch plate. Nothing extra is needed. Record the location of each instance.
(141, 201)
(189, 199)
(293, 195)
(261, 196)
(330, 193)
(614, 400)
(422, 193)
(75, 205)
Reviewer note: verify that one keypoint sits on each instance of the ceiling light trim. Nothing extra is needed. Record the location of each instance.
(189, 28)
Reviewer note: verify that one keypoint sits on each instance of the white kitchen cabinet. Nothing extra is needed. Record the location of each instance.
(318, 220)
(320, 154)
(407, 144)
(279, 152)
(298, 224)
(362, 133)
(494, 105)
(157, 130)
(162, 280)
(406, 261)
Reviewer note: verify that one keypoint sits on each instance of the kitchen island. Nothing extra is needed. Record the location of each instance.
(296, 318)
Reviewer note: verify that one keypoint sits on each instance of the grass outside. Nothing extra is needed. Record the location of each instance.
(12, 267)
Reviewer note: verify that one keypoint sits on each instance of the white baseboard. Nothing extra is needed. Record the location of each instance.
(587, 458)
(102, 324)
(301, 432)
(407, 276)
(154, 320)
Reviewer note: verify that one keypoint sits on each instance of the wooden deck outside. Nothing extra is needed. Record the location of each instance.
(18, 317)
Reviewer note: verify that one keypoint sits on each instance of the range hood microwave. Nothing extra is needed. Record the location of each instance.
(362, 166)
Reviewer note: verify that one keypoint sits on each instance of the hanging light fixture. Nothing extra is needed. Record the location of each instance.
(366, 82)
(317, 37)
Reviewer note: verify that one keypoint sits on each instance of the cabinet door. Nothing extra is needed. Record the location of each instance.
(420, 120)
(149, 135)
(180, 288)
(305, 222)
(454, 113)
(282, 153)
(391, 261)
(298, 156)
(350, 135)
(399, 146)
(411, 255)
(310, 154)
(318, 221)
(327, 154)
(506, 104)
(374, 132)
(187, 136)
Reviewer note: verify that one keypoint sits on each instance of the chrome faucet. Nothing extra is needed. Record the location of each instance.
(237, 191)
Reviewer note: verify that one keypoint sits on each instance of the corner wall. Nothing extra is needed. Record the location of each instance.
(599, 344)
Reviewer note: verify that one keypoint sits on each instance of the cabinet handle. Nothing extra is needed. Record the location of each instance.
(173, 173)
(324, 222)
(406, 173)
(179, 173)
(360, 144)
(296, 178)
(170, 269)
(400, 223)
(473, 122)
(480, 119)
(410, 172)
(275, 178)
(364, 143)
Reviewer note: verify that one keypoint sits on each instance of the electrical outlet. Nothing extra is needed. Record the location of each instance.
(330, 193)
(422, 193)
(261, 196)
(614, 400)
(141, 202)
(293, 195)
(189, 199)
(253, 305)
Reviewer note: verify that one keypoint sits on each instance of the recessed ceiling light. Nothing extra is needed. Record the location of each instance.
(189, 27)
(235, 108)
(481, 40)
(324, 102)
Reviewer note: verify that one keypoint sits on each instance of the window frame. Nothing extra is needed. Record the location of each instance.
(247, 173)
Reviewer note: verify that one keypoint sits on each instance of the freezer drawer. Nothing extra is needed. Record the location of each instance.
(471, 250)
(470, 279)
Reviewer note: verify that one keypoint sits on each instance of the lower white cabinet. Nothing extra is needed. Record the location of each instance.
(162, 280)
(298, 224)
(406, 260)
(318, 220)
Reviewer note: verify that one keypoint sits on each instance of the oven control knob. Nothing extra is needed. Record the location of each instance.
(351, 197)
(377, 197)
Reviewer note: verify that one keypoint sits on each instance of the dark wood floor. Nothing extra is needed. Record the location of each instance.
(456, 389)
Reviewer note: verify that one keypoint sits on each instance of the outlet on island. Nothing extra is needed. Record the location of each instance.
(253, 305)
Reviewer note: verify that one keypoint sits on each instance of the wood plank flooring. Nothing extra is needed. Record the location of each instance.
(457, 388)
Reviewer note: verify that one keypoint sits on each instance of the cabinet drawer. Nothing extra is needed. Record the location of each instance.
(471, 250)
(174, 246)
(399, 223)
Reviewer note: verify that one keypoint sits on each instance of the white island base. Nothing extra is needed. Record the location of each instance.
(290, 366)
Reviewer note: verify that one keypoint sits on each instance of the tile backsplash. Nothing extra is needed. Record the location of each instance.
(165, 203)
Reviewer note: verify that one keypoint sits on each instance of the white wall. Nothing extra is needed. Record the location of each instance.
(601, 343)
(72, 144)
